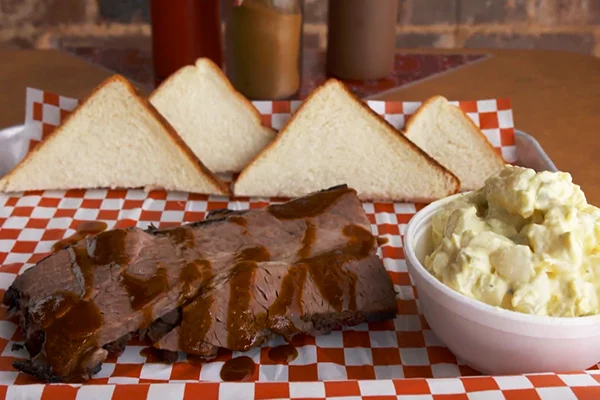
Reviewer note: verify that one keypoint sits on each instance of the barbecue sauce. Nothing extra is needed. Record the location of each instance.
(308, 239)
(289, 298)
(309, 206)
(111, 247)
(283, 354)
(86, 266)
(91, 227)
(191, 273)
(361, 241)
(143, 291)
(195, 325)
(240, 319)
(70, 322)
(241, 221)
(70, 325)
(154, 355)
(328, 273)
(84, 229)
(381, 241)
(197, 317)
(182, 236)
(148, 317)
(238, 369)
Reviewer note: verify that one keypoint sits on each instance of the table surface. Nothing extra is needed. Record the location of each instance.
(555, 95)
(136, 65)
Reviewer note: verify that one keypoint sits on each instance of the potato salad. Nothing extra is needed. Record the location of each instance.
(526, 241)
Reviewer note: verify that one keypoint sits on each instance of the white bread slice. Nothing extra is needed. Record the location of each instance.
(451, 138)
(334, 138)
(222, 128)
(115, 138)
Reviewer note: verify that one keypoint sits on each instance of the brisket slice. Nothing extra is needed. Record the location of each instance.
(308, 311)
(230, 281)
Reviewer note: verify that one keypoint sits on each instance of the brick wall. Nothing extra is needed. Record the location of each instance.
(572, 25)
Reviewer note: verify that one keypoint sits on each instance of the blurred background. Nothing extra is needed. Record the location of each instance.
(572, 25)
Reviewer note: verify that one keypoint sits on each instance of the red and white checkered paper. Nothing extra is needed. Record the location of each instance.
(365, 361)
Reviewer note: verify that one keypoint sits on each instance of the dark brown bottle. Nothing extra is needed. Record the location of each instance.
(263, 47)
(361, 38)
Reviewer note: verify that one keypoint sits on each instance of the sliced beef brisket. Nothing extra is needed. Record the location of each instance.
(230, 281)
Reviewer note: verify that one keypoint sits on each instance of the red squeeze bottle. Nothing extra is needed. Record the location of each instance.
(182, 32)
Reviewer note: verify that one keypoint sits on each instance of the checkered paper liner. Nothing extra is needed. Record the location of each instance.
(341, 364)
(526, 387)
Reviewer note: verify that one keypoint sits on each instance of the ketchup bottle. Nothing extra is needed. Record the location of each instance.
(182, 32)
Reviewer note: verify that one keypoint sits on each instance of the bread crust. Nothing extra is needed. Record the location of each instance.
(215, 68)
(175, 138)
(390, 129)
(470, 121)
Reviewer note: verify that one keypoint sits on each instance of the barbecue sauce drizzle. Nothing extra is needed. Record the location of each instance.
(283, 354)
(70, 324)
(310, 234)
(182, 236)
(327, 269)
(143, 291)
(194, 271)
(84, 229)
(148, 317)
(196, 317)
(381, 241)
(110, 247)
(241, 221)
(70, 321)
(289, 296)
(238, 369)
(240, 319)
(154, 355)
(86, 266)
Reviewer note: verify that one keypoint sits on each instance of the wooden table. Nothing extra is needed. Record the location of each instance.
(555, 95)
(555, 98)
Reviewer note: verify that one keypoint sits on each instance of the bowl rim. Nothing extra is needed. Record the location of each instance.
(409, 242)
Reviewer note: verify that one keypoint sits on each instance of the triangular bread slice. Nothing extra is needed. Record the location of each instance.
(334, 138)
(222, 128)
(115, 138)
(451, 138)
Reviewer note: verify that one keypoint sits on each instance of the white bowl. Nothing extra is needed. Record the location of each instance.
(490, 339)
